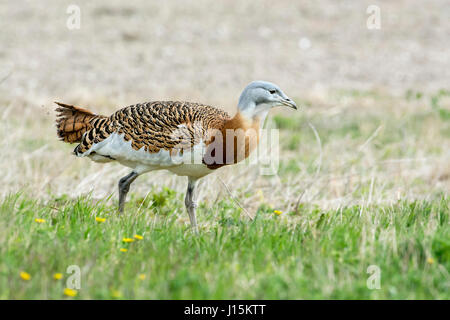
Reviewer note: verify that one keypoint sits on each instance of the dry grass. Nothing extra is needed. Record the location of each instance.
(370, 154)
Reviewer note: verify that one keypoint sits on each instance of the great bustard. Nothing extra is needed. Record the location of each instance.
(188, 139)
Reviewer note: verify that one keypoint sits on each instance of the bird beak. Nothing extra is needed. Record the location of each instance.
(288, 102)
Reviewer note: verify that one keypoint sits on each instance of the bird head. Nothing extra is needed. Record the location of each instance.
(259, 97)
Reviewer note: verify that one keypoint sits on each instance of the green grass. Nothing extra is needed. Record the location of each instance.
(315, 254)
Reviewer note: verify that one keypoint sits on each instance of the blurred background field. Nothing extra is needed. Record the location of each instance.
(378, 99)
(354, 84)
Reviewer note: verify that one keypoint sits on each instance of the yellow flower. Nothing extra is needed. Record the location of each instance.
(123, 250)
(70, 292)
(142, 276)
(430, 260)
(57, 276)
(127, 239)
(116, 294)
(39, 220)
(25, 275)
(98, 219)
(136, 236)
(277, 212)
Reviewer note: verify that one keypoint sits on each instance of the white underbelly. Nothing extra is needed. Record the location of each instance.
(190, 170)
(189, 163)
(117, 148)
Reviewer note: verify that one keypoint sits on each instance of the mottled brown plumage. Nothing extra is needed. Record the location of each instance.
(149, 125)
(72, 122)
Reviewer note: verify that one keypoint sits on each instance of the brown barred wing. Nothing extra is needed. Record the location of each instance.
(156, 125)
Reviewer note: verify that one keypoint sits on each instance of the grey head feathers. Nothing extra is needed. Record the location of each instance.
(260, 96)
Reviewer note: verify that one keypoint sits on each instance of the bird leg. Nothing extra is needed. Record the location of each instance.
(190, 203)
(124, 187)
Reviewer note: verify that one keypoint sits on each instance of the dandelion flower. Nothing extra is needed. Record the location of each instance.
(430, 260)
(38, 220)
(136, 236)
(123, 250)
(127, 239)
(57, 276)
(98, 219)
(142, 276)
(70, 292)
(277, 212)
(116, 294)
(25, 275)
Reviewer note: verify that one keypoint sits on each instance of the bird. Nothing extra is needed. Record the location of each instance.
(186, 138)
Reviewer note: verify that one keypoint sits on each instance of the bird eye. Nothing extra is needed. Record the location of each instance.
(272, 91)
